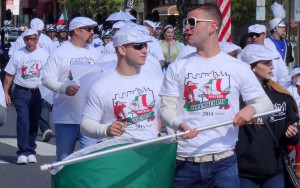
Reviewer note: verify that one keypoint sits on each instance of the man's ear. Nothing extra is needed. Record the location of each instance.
(121, 50)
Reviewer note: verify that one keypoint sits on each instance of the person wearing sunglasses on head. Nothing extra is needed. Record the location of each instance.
(203, 89)
(67, 103)
(257, 33)
(124, 102)
(24, 69)
(257, 168)
(44, 41)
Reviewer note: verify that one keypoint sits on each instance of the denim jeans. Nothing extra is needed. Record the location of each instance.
(45, 119)
(276, 181)
(66, 136)
(215, 174)
(28, 107)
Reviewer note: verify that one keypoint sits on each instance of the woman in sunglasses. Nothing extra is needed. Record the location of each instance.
(257, 169)
(169, 45)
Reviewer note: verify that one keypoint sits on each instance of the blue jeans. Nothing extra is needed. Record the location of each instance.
(276, 181)
(28, 107)
(215, 174)
(66, 136)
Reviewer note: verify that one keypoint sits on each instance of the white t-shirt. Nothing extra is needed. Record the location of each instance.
(155, 50)
(26, 67)
(109, 48)
(68, 109)
(131, 99)
(293, 91)
(44, 42)
(208, 91)
(186, 50)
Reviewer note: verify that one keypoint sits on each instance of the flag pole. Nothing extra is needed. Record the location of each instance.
(139, 144)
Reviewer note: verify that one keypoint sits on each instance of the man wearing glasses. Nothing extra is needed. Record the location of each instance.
(24, 70)
(257, 34)
(67, 103)
(203, 89)
(125, 102)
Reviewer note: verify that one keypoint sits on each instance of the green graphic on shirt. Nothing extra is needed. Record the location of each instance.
(212, 95)
(70, 76)
(139, 108)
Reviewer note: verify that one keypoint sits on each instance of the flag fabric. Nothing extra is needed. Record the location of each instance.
(62, 19)
(225, 31)
(147, 166)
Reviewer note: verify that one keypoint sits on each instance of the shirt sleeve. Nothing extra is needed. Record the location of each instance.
(93, 107)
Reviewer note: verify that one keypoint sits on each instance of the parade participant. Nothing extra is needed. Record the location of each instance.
(230, 48)
(131, 109)
(51, 32)
(154, 47)
(109, 46)
(255, 169)
(203, 89)
(62, 35)
(257, 33)
(169, 45)
(24, 70)
(276, 40)
(67, 104)
(158, 30)
(44, 41)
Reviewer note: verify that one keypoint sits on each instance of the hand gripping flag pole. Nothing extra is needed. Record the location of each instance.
(139, 144)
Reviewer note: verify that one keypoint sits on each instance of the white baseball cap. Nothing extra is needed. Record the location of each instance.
(150, 23)
(119, 25)
(78, 22)
(254, 52)
(37, 24)
(257, 28)
(228, 47)
(128, 35)
(295, 71)
(29, 32)
(276, 22)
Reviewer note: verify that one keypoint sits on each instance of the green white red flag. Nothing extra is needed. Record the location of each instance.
(62, 19)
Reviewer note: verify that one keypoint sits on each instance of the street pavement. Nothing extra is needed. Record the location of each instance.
(23, 176)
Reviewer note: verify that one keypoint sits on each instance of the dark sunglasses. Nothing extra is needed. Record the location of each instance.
(88, 29)
(193, 21)
(30, 39)
(251, 35)
(139, 46)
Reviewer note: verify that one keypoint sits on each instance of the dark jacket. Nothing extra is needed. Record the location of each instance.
(256, 152)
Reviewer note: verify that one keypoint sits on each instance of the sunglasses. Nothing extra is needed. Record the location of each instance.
(30, 39)
(193, 21)
(139, 46)
(251, 35)
(88, 29)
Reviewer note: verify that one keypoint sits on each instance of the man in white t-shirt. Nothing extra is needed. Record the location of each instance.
(292, 88)
(24, 70)
(44, 41)
(203, 89)
(124, 102)
(257, 34)
(68, 104)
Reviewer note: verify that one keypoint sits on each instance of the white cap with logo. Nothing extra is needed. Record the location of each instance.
(78, 22)
(228, 47)
(133, 34)
(37, 24)
(295, 71)
(257, 28)
(254, 52)
(29, 32)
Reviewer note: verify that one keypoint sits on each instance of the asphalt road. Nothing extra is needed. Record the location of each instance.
(23, 176)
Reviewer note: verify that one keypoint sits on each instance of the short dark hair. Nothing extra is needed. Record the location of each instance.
(212, 12)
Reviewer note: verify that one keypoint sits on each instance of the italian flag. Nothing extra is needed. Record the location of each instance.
(149, 166)
(62, 19)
